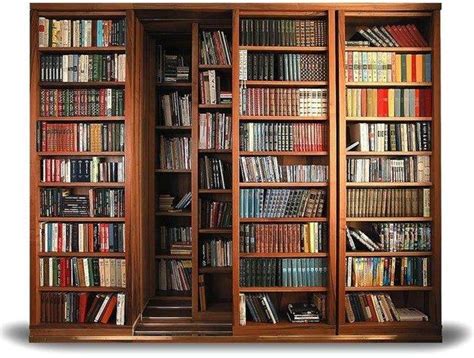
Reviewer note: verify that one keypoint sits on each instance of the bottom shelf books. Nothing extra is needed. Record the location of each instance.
(268, 308)
(73, 307)
(366, 307)
(174, 275)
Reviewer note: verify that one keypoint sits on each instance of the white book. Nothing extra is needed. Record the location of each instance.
(102, 308)
(212, 87)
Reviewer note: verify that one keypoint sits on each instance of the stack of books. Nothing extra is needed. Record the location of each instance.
(303, 313)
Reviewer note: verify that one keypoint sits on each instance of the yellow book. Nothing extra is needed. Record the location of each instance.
(349, 102)
(311, 237)
(391, 102)
(409, 74)
(419, 68)
(306, 237)
(56, 40)
(398, 68)
(374, 103)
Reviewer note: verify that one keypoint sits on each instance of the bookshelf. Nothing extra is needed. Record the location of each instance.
(165, 244)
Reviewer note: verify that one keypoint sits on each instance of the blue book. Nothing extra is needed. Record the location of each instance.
(396, 96)
(100, 34)
(284, 272)
(427, 67)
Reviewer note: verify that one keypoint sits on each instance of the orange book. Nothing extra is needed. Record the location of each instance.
(83, 298)
(419, 68)
(109, 309)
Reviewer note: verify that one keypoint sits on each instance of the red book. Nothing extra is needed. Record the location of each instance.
(90, 236)
(428, 112)
(417, 102)
(380, 103)
(67, 274)
(401, 36)
(413, 68)
(109, 309)
(83, 297)
(420, 39)
(62, 272)
(60, 237)
(422, 102)
(406, 34)
(363, 98)
(393, 31)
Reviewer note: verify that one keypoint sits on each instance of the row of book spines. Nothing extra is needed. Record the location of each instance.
(81, 33)
(301, 272)
(393, 36)
(215, 49)
(283, 238)
(79, 237)
(176, 109)
(283, 32)
(388, 102)
(82, 272)
(67, 102)
(81, 170)
(75, 307)
(216, 253)
(175, 152)
(389, 202)
(366, 307)
(174, 275)
(214, 173)
(215, 131)
(387, 271)
(215, 214)
(387, 67)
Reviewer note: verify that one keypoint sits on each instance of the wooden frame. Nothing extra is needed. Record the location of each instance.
(140, 113)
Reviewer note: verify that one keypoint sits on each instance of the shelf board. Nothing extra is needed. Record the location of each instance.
(270, 118)
(173, 213)
(215, 269)
(92, 49)
(215, 231)
(83, 84)
(287, 83)
(356, 153)
(283, 153)
(389, 288)
(93, 326)
(282, 254)
(389, 119)
(82, 254)
(387, 254)
(388, 219)
(82, 184)
(82, 289)
(82, 154)
(82, 119)
(215, 67)
(282, 185)
(389, 49)
(173, 294)
(80, 219)
(173, 257)
(281, 220)
(215, 106)
(284, 324)
(174, 84)
(385, 184)
(285, 48)
(173, 128)
(215, 191)
(283, 289)
(172, 170)
(214, 151)
(362, 325)
(388, 84)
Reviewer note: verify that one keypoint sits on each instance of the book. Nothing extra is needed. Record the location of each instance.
(388, 202)
(304, 102)
(270, 136)
(174, 275)
(175, 152)
(320, 301)
(267, 170)
(215, 48)
(81, 237)
(216, 252)
(410, 314)
(282, 203)
(260, 308)
(214, 173)
(409, 169)
(174, 237)
(386, 137)
(276, 272)
(215, 131)
(83, 68)
(377, 67)
(215, 214)
(269, 238)
(81, 33)
(94, 170)
(171, 67)
(368, 307)
(82, 272)
(302, 312)
(407, 35)
(202, 293)
(167, 202)
(90, 102)
(242, 310)
(175, 109)
(212, 90)
(283, 32)
(387, 271)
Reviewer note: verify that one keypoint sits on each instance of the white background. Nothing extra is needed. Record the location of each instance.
(458, 215)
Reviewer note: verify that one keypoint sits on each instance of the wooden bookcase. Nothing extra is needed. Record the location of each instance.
(155, 315)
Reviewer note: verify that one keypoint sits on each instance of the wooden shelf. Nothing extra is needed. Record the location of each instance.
(388, 219)
(82, 184)
(389, 185)
(215, 106)
(388, 84)
(283, 185)
(284, 324)
(173, 171)
(173, 257)
(82, 254)
(283, 153)
(282, 254)
(92, 326)
(173, 128)
(388, 254)
(284, 48)
(283, 118)
(81, 154)
(281, 220)
(302, 84)
(80, 219)
(389, 49)
(174, 295)
(83, 84)
(215, 191)
(389, 288)
(362, 325)
(174, 84)
(82, 119)
(215, 151)
(215, 231)
(93, 49)
(283, 289)
(215, 270)
(173, 213)
(82, 289)
(215, 67)
(378, 154)
(389, 119)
